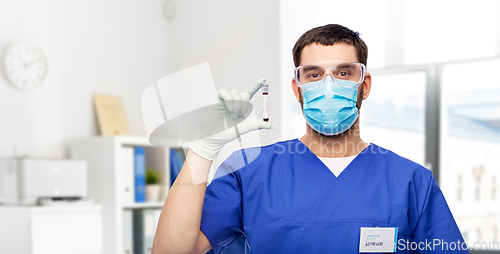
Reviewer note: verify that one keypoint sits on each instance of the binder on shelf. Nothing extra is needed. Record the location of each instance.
(128, 175)
(128, 229)
(145, 221)
(176, 162)
(140, 174)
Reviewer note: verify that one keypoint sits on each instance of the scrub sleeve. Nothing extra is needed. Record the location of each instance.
(222, 221)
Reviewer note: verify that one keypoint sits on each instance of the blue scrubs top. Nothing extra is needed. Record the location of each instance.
(288, 201)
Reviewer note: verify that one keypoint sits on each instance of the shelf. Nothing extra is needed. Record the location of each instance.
(110, 165)
(133, 141)
(144, 205)
(125, 140)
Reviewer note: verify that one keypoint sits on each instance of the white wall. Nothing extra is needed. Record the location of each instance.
(114, 47)
(239, 40)
(120, 47)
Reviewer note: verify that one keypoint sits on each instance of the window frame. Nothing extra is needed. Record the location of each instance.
(432, 118)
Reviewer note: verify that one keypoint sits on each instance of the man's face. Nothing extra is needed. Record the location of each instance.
(316, 52)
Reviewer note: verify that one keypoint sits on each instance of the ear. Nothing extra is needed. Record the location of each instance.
(296, 90)
(367, 85)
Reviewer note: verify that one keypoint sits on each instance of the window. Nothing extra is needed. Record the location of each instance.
(471, 141)
(393, 117)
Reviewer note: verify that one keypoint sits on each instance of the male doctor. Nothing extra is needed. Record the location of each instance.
(327, 192)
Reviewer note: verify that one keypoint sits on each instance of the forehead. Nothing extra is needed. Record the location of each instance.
(315, 52)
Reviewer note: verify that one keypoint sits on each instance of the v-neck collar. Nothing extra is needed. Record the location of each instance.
(315, 159)
(338, 164)
(312, 194)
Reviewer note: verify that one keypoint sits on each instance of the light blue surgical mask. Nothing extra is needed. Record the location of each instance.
(330, 109)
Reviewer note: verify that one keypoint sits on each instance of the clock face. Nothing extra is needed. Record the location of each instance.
(25, 66)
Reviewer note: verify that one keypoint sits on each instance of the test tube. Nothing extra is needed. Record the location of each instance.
(265, 94)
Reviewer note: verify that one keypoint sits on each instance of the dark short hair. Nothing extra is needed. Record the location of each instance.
(329, 35)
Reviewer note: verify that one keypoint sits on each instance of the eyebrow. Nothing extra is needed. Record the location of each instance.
(310, 67)
(346, 66)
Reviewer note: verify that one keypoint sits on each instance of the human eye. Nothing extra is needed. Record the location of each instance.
(344, 74)
(310, 73)
(314, 75)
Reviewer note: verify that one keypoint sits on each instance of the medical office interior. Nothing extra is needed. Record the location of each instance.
(67, 187)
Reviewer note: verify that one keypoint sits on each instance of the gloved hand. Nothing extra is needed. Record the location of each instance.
(227, 111)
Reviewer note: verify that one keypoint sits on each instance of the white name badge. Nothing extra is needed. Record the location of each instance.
(378, 240)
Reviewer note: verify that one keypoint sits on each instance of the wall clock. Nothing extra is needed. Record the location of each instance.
(25, 66)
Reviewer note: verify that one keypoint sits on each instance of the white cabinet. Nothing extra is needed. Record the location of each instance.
(75, 229)
(108, 168)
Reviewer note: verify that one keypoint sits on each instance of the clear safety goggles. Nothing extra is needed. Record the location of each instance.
(307, 75)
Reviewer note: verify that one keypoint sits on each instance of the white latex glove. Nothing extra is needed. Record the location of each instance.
(228, 110)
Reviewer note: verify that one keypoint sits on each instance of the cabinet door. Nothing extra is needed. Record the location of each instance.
(66, 233)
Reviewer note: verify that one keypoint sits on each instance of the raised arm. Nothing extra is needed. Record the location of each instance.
(178, 229)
